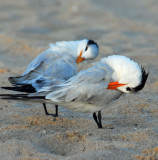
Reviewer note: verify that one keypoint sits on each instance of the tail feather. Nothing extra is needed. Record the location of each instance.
(24, 97)
(17, 80)
(20, 80)
(24, 88)
(13, 95)
(21, 96)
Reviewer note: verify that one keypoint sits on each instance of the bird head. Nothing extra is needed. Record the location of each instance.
(88, 49)
(128, 76)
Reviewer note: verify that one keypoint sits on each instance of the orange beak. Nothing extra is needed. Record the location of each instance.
(79, 58)
(114, 85)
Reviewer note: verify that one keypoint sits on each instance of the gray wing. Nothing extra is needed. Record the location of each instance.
(54, 73)
(56, 50)
(47, 69)
(50, 59)
(37, 61)
(50, 73)
(84, 86)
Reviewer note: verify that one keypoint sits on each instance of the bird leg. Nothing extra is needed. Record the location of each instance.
(47, 113)
(98, 119)
(95, 118)
(56, 110)
(45, 109)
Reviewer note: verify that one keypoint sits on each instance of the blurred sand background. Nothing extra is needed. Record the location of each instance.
(126, 27)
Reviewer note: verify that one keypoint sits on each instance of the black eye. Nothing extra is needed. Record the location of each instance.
(128, 89)
(86, 48)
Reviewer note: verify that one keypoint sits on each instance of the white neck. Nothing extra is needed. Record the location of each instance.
(72, 48)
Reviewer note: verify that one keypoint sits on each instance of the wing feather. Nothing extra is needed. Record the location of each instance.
(47, 70)
(82, 86)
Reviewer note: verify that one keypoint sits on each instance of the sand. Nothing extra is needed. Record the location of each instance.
(130, 124)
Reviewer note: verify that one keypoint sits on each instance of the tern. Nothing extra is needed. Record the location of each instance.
(93, 89)
(54, 66)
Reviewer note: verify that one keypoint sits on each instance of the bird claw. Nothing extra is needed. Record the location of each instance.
(53, 115)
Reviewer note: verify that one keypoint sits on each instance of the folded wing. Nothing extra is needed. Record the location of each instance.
(84, 86)
(47, 70)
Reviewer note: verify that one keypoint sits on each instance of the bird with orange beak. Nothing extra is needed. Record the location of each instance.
(93, 89)
(54, 66)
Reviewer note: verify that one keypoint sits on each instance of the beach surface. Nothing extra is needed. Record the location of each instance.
(130, 124)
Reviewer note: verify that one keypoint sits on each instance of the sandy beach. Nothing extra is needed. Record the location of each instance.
(130, 124)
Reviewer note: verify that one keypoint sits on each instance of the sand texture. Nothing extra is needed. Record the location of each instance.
(130, 124)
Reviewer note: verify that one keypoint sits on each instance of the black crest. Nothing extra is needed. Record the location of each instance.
(91, 42)
(143, 80)
(24, 88)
